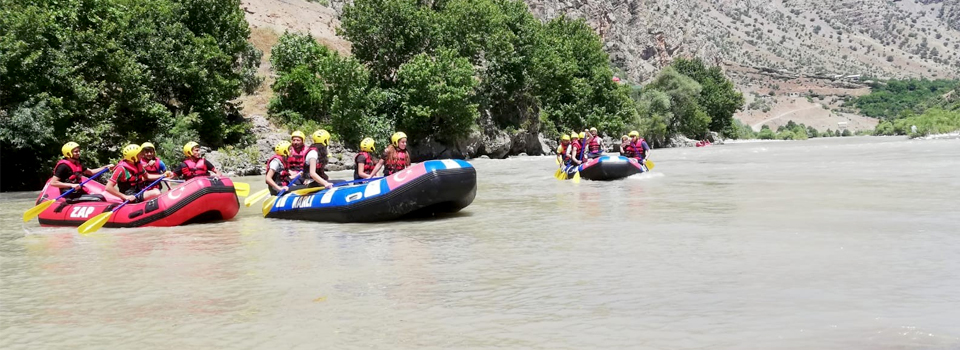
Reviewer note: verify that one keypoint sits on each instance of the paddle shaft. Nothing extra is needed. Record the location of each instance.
(82, 183)
(145, 188)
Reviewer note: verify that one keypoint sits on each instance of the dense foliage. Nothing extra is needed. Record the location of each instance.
(441, 69)
(898, 98)
(104, 73)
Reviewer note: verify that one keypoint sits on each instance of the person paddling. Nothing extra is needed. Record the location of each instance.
(365, 165)
(194, 166)
(69, 172)
(395, 157)
(316, 159)
(278, 174)
(637, 147)
(129, 178)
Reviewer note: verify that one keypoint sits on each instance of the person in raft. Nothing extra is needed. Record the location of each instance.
(624, 140)
(565, 153)
(194, 166)
(278, 173)
(316, 160)
(395, 157)
(594, 144)
(129, 178)
(151, 164)
(637, 147)
(69, 173)
(364, 160)
(298, 154)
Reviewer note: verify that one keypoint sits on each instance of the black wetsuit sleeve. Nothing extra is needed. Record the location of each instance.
(178, 169)
(209, 165)
(63, 172)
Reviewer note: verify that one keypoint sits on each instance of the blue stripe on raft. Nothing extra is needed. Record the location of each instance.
(341, 196)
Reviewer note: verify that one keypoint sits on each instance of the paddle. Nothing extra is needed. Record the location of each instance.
(242, 188)
(268, 206)
(256, 197)
(650, 164)
(98, 221)
(39, 208)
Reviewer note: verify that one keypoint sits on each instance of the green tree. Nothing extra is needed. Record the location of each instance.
(387, 33)
(718, 96)
(106, 73)
(684, 115)
(436, 95)
(316, 84)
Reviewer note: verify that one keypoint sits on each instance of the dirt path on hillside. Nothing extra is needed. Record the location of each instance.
(757, 126)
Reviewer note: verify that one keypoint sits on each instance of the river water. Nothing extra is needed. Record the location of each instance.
(847, 243)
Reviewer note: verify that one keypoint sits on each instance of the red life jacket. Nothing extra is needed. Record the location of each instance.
(194, 168)
(151, 169)
(641, 153)
(577, 149)
(630, 150)
(368, 165)
(134, 176)
(563, 152)
(295, 162)
(282, 177)
(594, 144)
(397, 162)
(75, 168)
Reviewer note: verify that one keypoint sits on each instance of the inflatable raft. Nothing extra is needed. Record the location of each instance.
(201, 199)
(607, 168)
(423, 189)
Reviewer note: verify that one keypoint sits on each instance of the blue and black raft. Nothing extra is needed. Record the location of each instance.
(423, 189)
(607, 168)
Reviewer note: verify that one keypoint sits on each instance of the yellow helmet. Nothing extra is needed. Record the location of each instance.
(565, 137)
(634, 134)
(67, 149)
(130, 152)
(574, 135)
(283, 148)
(583, 134)
(299, 134)
(321, 136)
(146, 145)
(593, 129)
(188, 148)
(395, 139)
(367, 145)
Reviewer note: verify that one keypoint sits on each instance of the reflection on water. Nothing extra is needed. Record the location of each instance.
(840, 244)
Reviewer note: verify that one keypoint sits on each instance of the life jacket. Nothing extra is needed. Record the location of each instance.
(562, 151)
(282, 177)
(368, 165)
(641, 153)
(194, 167)
(295, 162)
(594, 144)
(76, 170)
(134, 177)
(151, 169)
(630, 150)
(577, 149)
(321, 158)
(396, 162)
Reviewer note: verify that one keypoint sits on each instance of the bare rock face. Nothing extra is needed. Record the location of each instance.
(680, 141)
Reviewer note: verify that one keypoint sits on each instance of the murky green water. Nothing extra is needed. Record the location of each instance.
(824, 244)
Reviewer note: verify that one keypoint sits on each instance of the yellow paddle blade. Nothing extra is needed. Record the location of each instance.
(95, 224)
(306, 191)
(33, 212)
(556, 174)
(268, 205)
(649, 164)
(243, 189)
(256, 197)
(576, 177)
